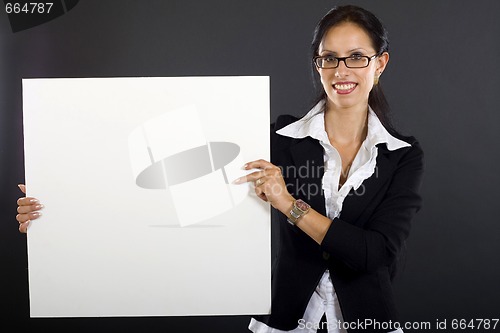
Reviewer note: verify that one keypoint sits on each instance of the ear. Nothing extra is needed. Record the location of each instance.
(382, 61)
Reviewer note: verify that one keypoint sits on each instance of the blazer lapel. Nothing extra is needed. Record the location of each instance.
(308, 154)
(356, 202)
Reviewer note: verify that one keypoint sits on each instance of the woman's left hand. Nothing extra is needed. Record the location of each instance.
(269, 184)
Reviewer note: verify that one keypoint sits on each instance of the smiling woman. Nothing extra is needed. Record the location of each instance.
(348, 80)
(339, 247)
(370, 33)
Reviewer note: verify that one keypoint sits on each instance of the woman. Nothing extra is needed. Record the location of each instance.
(344, 185)
(338, 257)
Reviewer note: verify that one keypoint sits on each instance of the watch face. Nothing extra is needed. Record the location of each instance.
(302, 205)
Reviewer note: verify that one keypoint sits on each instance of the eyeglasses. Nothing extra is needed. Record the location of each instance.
(354, 61)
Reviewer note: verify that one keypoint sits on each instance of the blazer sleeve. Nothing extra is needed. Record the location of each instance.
(380, 239)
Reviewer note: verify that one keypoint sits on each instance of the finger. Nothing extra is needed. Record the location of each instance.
(21, 218)
(273, 171)
(22, 187)
(258, 164)
(263, 197)
(271, 174)
(29, 209)
(260, 193)
(23, 227)
(251, 177)
(260, 182)
(27, 201)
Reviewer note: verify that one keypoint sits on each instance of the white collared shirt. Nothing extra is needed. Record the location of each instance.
(324, 299)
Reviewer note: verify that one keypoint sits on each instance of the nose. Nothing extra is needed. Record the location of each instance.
(341, 69)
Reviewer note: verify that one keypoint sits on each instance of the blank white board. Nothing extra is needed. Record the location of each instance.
(141, 217)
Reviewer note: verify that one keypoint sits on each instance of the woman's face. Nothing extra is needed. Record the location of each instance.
(349, 87)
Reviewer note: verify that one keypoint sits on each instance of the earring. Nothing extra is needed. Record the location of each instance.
(376, 79)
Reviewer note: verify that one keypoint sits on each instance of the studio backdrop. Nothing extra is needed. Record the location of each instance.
(441, 83)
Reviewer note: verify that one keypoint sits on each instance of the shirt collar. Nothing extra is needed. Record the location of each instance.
(313, 125)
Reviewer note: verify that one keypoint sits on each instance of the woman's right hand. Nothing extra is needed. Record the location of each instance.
(28, 209)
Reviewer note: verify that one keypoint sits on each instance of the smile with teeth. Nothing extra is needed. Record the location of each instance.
(344, 86)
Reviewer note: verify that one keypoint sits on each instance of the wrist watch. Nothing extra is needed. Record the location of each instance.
(299, 209)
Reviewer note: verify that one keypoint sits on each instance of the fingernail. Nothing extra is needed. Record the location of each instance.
(34, 201)
(39, 206)
(245, 166)
(36, 214)
(24, 226)
(237, 181)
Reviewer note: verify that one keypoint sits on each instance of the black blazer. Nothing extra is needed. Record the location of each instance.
(361, 247)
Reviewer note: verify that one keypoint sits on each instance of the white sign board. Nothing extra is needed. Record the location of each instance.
(141, 217)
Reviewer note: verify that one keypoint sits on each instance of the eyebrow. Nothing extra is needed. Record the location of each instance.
(350, 51)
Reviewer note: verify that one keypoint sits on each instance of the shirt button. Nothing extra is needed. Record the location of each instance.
(326, 255)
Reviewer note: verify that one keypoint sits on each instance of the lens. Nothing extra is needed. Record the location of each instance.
(330, 62)
(356, 62)
(326, 62)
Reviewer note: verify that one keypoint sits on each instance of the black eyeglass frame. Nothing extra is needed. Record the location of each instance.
(339, 59)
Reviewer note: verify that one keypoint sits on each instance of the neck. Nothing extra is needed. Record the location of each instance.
(346, 126)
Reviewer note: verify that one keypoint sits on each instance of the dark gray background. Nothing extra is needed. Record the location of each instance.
(442, 83)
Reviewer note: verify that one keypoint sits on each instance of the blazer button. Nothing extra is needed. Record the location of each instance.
(326, 255)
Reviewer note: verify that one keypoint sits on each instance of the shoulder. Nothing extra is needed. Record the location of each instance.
(278, 140)
(410, 158)
(282, 121)
(414, 148)
(406, 138)
(283, 146)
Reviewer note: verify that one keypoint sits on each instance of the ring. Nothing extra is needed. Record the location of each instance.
(259, 182)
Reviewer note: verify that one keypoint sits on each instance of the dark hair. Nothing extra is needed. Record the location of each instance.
(379, 37)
